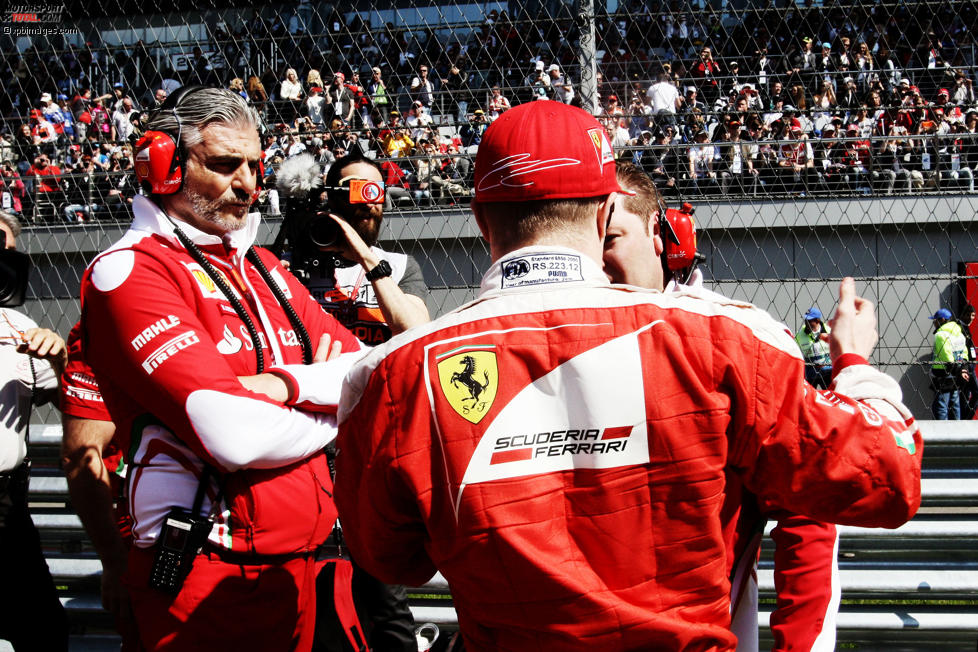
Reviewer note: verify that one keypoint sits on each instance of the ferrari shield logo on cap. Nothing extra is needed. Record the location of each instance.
(469, 377)
(602, 148)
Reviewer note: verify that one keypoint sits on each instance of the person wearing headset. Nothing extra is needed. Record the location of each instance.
(230, 491)
(653, 247)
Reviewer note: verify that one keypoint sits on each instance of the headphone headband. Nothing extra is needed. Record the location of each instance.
(159, 155)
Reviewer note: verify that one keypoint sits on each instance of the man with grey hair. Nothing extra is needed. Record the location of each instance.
(31, 360)
(230, 493)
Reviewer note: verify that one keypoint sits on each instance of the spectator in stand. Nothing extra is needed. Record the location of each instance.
(864, 67)
(47, 137)
(361, 103)
(80, 104)
(498, 103)
(849, 97)
(825, 66)
(734, 82)
(690, 101)
(47, 178)
(423, 88)
(796, 162)
(101, 120)
(159, 97)
(397, 143)
(340, 103)
(291, 93)
(823, 104)
(471, 132)
(236, 85)
(395, 178)
(418, 120)
(122, 121)
(315, 104)
(83, 200)
(706, 71)
(256, 93)
(454, 85)
(963, 93)
(12, 189)
(560, 83)
(612, 107)
(701, 175)
(959, 152)
(735, 162)
(313, 78)
(26, 147)
(379, 100)
(664, 96)
(660, 161)
(51, 113)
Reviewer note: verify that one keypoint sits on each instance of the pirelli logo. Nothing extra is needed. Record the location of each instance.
(557, 443)
(168, 350)
(83, 394)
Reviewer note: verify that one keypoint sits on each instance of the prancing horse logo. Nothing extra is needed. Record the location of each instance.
(468, 377)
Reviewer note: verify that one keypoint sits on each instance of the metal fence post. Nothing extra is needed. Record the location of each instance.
(586, 56)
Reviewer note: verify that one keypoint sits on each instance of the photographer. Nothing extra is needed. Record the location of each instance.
(375, 294)
(471, 133)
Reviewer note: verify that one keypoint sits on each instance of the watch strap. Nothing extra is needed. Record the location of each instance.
(381, 270)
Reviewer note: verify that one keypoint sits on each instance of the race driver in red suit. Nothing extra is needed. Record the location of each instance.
(557, 447)
(172, 315)
(650, 246)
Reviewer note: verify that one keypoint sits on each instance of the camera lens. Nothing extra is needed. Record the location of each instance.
(324, 232)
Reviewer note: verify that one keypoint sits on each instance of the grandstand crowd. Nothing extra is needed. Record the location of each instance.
(864, 99)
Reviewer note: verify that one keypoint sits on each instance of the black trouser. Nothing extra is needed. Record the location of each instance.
(382, 609)
(31, 615)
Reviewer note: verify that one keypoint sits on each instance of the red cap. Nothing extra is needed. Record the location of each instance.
(944, 91)
(340, 75)
(544, 150)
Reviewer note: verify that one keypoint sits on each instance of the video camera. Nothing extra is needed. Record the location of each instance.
(15, 269)
(307, 226)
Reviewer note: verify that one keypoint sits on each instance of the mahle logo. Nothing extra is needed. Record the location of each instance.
(469, 377)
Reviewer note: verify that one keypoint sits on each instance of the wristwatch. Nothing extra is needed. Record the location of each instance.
(383, 269)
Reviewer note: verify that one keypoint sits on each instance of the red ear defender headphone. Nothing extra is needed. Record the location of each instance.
(679, 255)
(159, 157)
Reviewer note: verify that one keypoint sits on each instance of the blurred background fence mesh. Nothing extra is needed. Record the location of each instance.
(814, 140)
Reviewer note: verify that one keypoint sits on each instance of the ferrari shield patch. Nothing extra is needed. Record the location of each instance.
(469, 378)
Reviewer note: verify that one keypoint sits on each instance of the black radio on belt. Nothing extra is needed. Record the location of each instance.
(181, 538)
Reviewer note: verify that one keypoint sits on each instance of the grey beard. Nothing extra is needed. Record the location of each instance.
(209, 211)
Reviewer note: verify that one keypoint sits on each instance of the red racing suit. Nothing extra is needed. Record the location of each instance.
(558, 449)
(167, 346)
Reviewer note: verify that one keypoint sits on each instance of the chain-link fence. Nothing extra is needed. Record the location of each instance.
(815, 140)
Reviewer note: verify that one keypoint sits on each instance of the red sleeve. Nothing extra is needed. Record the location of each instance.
(865, 454)
(806, 577)
(80, 394)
